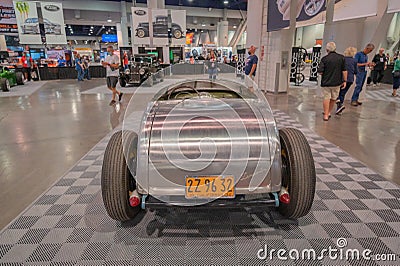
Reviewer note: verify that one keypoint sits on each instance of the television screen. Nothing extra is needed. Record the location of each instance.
(109, 38)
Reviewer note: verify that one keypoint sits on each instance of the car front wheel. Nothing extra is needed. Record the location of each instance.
(298, 173)
(116, 177)
(5, 84)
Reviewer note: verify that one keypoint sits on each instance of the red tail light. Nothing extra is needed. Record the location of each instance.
(284, 196)
(134, 200)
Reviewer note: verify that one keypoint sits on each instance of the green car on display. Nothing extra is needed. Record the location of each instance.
(9, 78)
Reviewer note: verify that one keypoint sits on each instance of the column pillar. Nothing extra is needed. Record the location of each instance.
(329, 28)
(222, 33)
(122, 28)
(273, 69)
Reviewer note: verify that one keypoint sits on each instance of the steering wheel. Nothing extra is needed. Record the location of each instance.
(181, 93)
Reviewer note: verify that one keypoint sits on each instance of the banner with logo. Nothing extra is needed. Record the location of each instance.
(8, 22)
(311, 12)
(160, 26)
(279, 12)
(140, 24)
(393, 6)
(53, 20)
(178, 27)
(28, 22)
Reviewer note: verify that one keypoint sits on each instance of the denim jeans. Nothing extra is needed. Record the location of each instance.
(86, 74)
(212, 73)
(342, 92)
(80, 74)
(360, 80)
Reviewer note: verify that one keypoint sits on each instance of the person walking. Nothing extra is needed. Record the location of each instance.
(86, 65)
(351, 67)
(396, 77)
(61, 61)
(212, 66)
(334, 74)
(362, 62)
(251, 63)
(111, 63)
(126, 61)
(379, 63)
(79, 67)
(27, 65)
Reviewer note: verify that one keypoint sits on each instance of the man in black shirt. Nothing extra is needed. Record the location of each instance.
(334, 76)
(379, 63)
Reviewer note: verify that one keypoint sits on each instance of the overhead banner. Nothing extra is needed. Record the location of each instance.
(140, 24)
(53, 20)
(178, 27)
(27, 21)
(314, 12)
(160, 26)
(279, 12)
(393, 6)
(8, 22)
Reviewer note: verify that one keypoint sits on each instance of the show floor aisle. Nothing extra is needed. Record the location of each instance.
(45, 133)
(68, 224)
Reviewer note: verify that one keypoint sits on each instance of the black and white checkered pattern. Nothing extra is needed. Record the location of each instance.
(382, 95)
(68, 224)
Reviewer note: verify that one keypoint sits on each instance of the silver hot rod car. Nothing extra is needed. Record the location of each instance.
(207, 144)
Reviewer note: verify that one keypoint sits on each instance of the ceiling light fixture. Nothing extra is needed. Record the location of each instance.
(203, 25)
(234, 26)
(226, 2)
(109, 19)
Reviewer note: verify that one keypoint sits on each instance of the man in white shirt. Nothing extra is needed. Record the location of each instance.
(111, 63)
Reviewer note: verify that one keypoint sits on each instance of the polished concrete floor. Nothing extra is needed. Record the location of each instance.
(45, 134)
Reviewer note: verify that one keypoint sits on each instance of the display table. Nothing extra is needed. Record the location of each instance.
(51, 73)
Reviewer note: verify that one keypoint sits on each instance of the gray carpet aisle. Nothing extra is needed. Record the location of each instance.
(68, 224)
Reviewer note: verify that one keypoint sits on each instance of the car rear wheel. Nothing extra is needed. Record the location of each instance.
(177, 34)
(5, 84)
(141, 33)
(20, 78)
(298, 173)
(116, 177)
(122, 82)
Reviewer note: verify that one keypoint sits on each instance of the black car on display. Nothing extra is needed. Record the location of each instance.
(143, 67)
(160, 29)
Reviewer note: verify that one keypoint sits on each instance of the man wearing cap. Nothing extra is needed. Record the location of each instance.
(251, 63)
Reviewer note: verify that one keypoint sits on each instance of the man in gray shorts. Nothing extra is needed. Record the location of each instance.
(111, 63)
(334, 76)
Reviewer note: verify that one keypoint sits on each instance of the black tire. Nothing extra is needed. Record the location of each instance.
(177, 34)
(20, 78)
(116, 178)
(5, 85)
(122, 82)
(298, 173)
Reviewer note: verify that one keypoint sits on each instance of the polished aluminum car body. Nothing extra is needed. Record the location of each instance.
(194, 141)
(204, 135)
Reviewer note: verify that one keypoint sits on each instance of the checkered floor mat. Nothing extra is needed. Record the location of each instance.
(382, 95)
(68, 224)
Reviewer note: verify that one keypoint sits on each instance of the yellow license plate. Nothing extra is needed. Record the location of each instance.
(210, 187)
